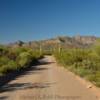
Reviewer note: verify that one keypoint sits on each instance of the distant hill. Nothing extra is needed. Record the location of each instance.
(63, 41)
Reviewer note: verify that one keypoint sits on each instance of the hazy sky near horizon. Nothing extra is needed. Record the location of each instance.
(28, 20)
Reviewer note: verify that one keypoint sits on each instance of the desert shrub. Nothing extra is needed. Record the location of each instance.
(3, 70)
(12, 65)
(37, 54)
(82, 72)
(24, 59)
(19, 50)
(72, 56)
(94, 58)
(97, 49)
(3, 50)
(9, 66)
(16, 58)
(83, 62)
(4, 60)
(12, 55)
(47, 52)
(95, 78)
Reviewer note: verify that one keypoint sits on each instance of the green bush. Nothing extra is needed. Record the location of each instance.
(16, 58)
(84, 62)
(4, 60)
(72, 56)
(3, 70)
(3, 50)
(37, 54)
(10, 66)
(24, 59)
(95, 78)
(97, 50)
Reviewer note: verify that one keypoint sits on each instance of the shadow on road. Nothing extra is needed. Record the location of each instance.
(3, 97)
(24, 86)
(34, 68)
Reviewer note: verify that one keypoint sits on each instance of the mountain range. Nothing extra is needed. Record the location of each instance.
(63, 41)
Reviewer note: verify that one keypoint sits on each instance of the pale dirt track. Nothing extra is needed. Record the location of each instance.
(47, 82)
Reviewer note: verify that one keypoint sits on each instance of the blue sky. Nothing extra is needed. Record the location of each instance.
(28, 20)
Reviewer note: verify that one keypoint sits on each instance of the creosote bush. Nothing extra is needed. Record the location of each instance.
(83, 62)
(12, 59)
(24, 59)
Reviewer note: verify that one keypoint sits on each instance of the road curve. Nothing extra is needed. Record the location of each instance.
(46, 81)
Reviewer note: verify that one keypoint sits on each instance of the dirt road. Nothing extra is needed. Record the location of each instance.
(47, 82)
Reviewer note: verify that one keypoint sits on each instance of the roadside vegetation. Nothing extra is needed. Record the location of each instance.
(83, 62)
(12, 59)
